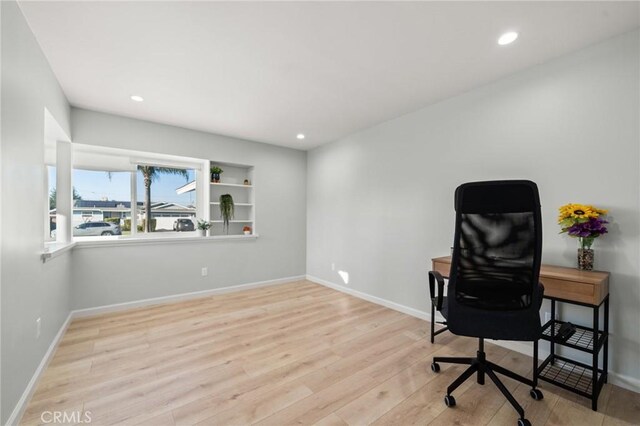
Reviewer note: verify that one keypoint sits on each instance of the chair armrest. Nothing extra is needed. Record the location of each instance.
(434, 277)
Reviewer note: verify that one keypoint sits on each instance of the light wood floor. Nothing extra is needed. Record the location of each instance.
(292, 353)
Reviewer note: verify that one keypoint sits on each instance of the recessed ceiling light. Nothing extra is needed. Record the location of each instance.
(507, 38)
(300, 136)
(137, 98)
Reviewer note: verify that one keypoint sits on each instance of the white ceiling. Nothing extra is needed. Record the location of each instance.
(267, 71)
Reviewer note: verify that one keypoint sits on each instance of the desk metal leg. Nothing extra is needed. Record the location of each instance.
(594, 368)
(605, 355)
(552, 345)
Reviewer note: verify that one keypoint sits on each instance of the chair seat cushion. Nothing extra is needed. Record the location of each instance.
(517, 324)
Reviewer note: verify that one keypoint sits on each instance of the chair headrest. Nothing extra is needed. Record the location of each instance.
(500, 196)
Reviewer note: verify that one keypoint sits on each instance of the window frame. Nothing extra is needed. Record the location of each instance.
(47, 210)
(129, 160)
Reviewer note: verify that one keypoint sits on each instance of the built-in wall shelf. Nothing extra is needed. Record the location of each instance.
(231, 182)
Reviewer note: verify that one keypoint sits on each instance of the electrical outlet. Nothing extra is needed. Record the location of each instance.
(205, 271)
(333, 266)
(38, 327)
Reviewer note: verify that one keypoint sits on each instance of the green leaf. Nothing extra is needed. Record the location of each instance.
(566, 223)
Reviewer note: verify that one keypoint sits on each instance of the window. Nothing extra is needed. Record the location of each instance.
(162, 200)
(101, 203)
(117, 191)
(50, 214)
(50, 183)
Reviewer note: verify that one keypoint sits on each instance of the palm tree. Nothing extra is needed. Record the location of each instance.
(53, 196)
(150, 174)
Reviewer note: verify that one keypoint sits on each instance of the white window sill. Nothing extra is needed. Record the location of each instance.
(56, 249)
(93, 242)
(53, 249)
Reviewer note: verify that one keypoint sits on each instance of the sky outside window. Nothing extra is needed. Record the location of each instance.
(96, 185)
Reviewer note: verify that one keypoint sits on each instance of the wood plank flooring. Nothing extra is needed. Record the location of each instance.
(296, 353)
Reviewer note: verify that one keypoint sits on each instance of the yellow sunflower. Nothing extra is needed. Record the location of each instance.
(576, 211)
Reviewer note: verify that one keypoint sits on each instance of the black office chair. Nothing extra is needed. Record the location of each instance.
(493, 289)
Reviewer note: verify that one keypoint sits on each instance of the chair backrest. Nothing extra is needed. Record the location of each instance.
(497, 245)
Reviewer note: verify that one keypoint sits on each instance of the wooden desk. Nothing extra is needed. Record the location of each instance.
(567, 284)
(584, 288)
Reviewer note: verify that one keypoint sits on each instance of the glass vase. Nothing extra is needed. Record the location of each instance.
(585, 254)
(585, 259)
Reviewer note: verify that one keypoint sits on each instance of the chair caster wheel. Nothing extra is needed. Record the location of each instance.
(524, 422)
(450, 401)
(536, 394)
(435, 367)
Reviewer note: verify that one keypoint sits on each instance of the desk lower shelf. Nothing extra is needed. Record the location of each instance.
(583, 379)
(571, 375)
(582, 339)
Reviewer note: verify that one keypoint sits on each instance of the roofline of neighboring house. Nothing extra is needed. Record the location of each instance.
(189, 187)
(156, 205)
(113, 210)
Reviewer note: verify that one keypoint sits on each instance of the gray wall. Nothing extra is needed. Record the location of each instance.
(30, 289)
(108, 275)
(377, 204)
(380, 202)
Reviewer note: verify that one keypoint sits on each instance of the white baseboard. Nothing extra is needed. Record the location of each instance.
(377, 300)
(525, 348)
(18, 411)
(78, 313)
(627, 382)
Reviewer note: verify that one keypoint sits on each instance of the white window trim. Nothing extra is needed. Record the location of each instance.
(47, 225)
(54, 135)
(55, 250)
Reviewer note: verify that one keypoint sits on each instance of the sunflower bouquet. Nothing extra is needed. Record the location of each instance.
(583, 222)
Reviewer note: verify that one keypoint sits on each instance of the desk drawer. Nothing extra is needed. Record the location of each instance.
(593, 294)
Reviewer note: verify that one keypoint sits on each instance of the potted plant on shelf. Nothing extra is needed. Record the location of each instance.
(586, 223)
(226, 210)
(203, 227)
(215, 174)
(246, 230)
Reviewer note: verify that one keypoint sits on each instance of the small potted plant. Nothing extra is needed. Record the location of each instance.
(215, 174)
(203, 227)
(246, 229)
